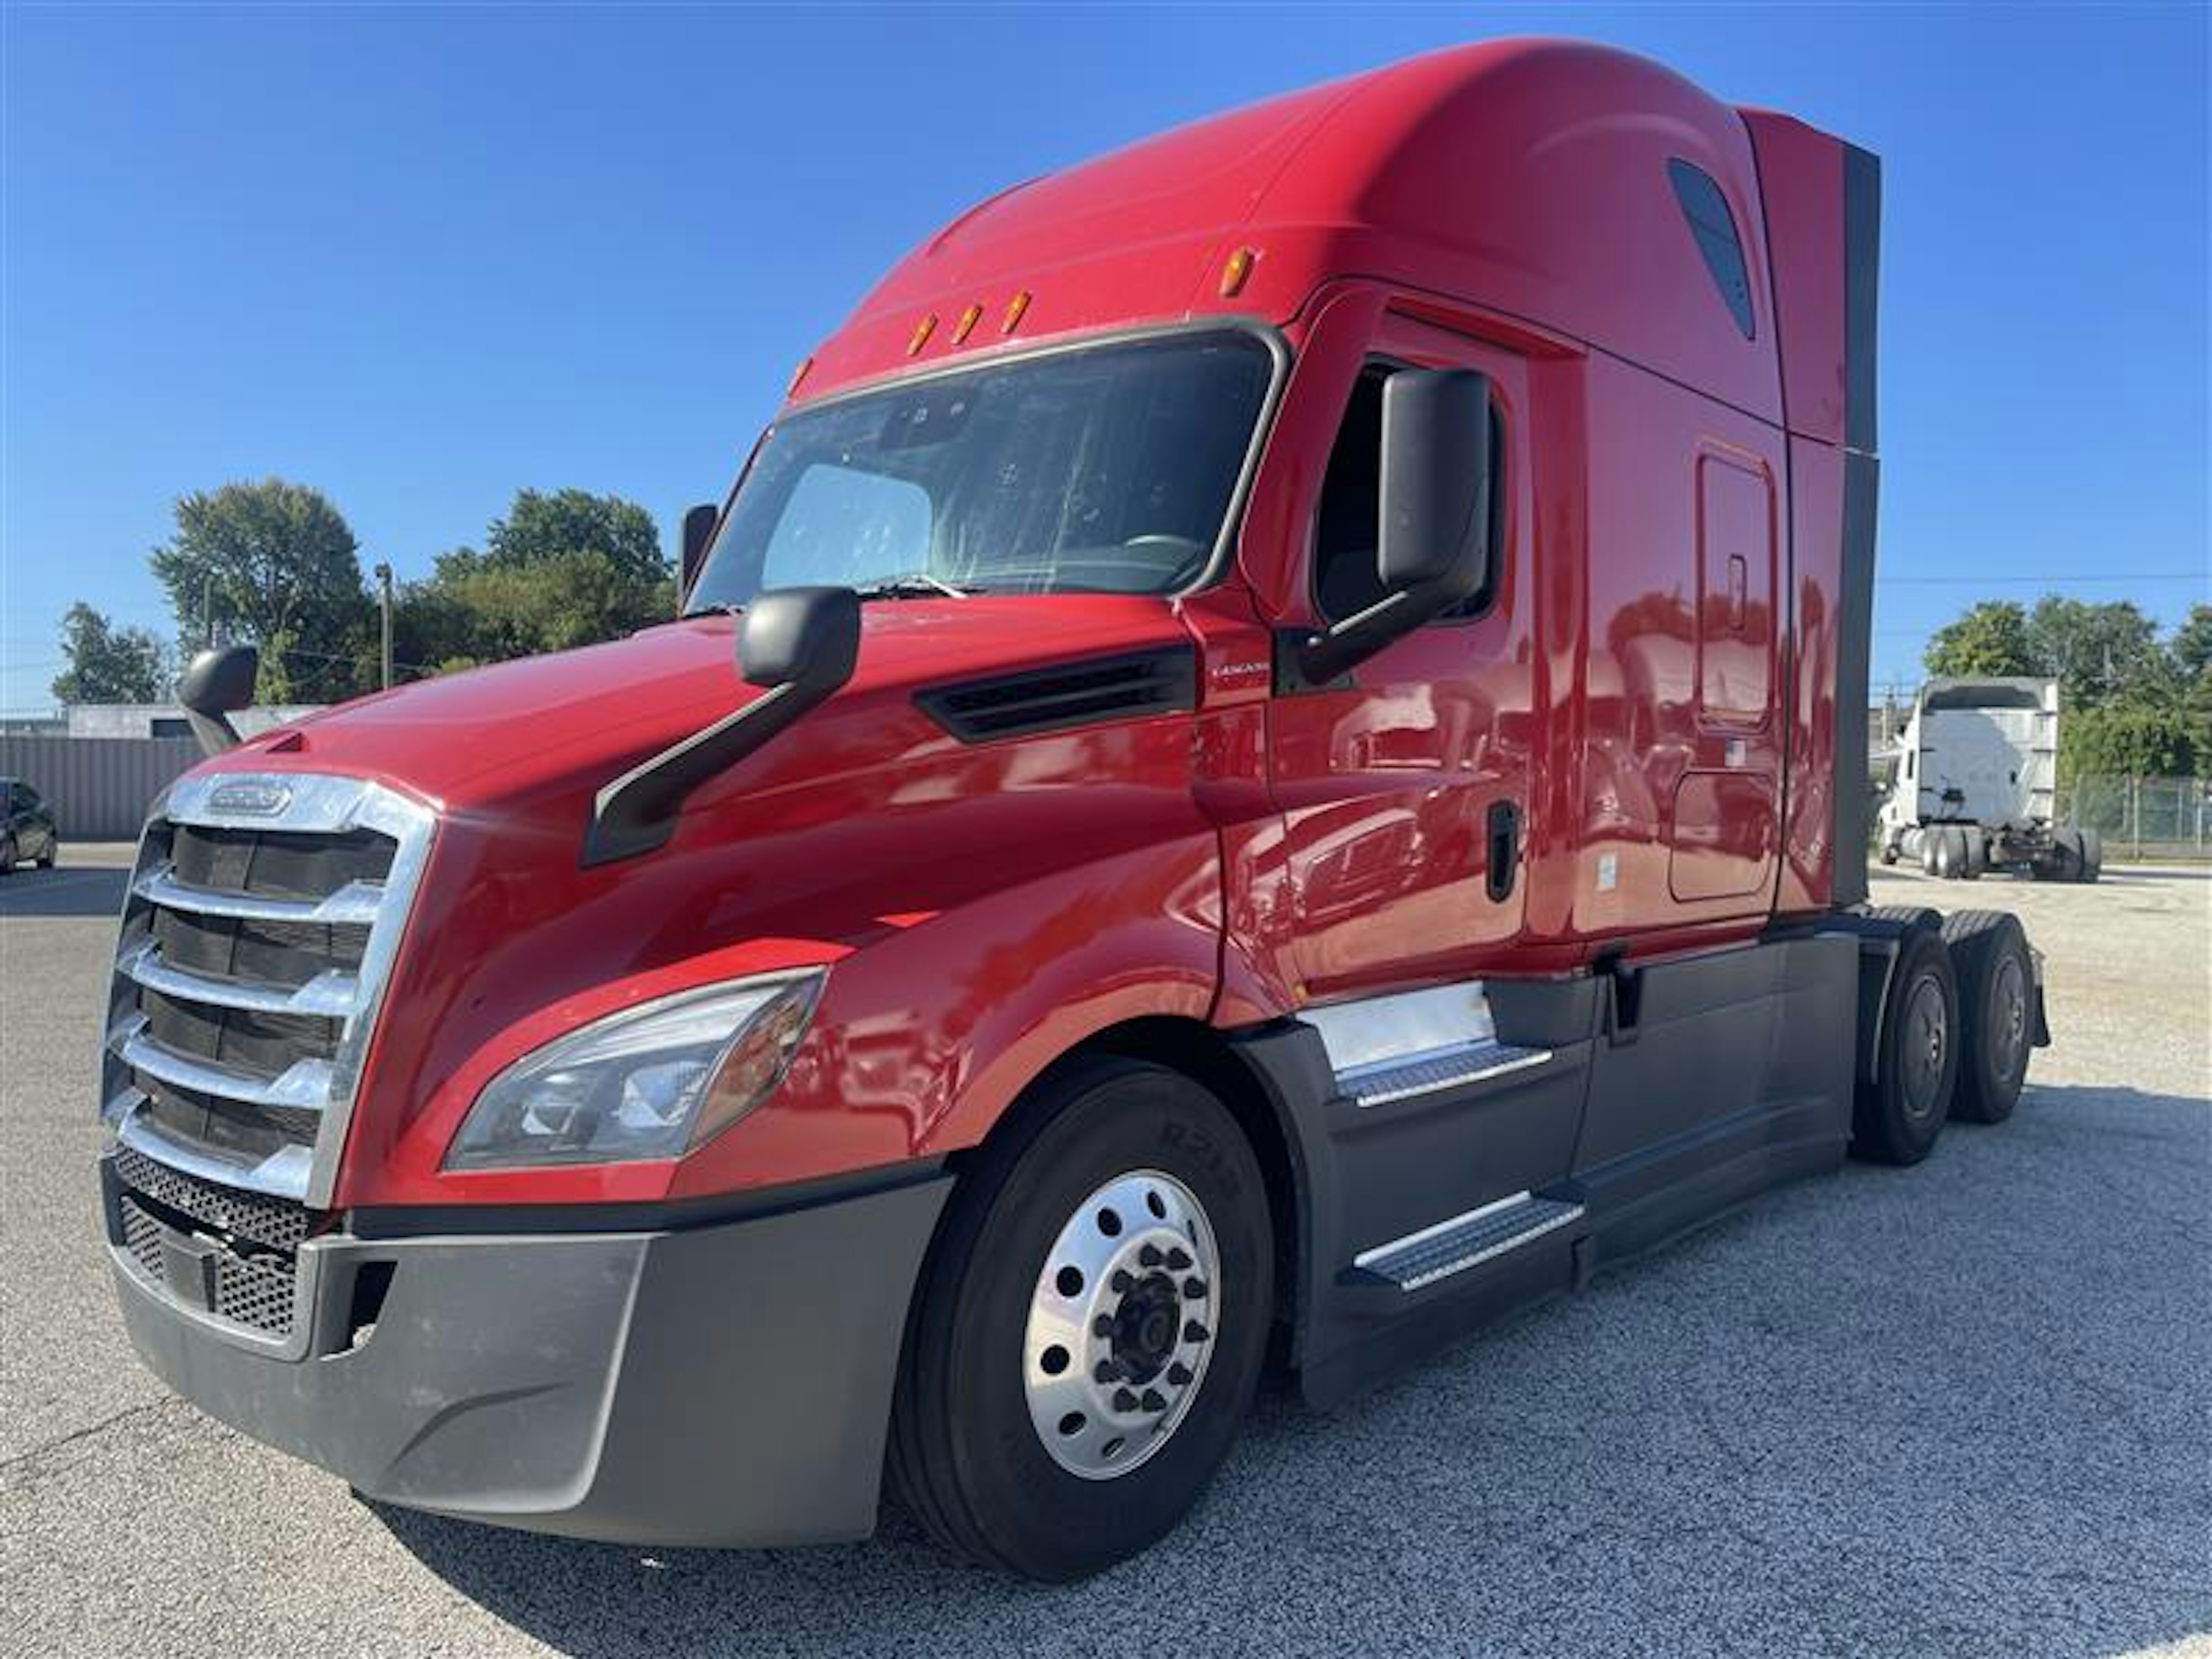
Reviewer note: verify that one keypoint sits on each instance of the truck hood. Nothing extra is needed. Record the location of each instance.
(581, 717)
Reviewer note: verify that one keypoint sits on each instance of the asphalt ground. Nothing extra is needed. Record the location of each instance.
(1961, 1409)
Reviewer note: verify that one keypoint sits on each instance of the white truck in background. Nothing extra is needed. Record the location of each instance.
(1976, 785)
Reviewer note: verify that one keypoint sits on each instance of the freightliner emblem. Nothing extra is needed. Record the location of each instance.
(250, 799)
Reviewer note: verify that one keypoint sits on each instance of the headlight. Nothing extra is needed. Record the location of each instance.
(647, 1082)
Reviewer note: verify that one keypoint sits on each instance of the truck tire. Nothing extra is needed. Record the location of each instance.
(1950, 852)
(1090, 1326)
(1996, 1012)
(1978, 853)
(1896, 1117)
(2091, 864)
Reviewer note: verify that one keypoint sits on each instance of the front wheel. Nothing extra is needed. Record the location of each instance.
(1089, 1327)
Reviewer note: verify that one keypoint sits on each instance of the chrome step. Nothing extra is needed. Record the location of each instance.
(1465, 1241)
(1454, 1067)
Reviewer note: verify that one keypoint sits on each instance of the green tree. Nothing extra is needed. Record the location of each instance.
(2191, 648)
(107, 664)
(560, 570)
(1991, 638)
(2191, 654)
(276, 563)
(2099, 653)
(2138, 740)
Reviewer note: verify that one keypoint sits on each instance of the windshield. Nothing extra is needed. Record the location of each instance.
(1108, 468)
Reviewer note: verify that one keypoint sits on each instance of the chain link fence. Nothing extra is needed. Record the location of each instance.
(2156, 818)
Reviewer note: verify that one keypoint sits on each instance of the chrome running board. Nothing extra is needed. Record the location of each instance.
(1423, 1258)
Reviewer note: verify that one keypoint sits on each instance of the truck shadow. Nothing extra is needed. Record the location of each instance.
(1955, 1408)
(86, 890)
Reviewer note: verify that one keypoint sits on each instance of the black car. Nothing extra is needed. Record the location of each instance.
(30, 837)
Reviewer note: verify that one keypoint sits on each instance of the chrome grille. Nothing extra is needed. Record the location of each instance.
(257, 938)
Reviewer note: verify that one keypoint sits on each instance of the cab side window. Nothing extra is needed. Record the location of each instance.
(1345, 532)
(1347, 527)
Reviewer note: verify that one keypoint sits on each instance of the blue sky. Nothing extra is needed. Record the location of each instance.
(420, 256)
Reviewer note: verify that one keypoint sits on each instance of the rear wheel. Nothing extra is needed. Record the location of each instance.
(1950, 852)
(1897, 1117)
(1996, 1012)
(2091, 864)
(1089, 1327)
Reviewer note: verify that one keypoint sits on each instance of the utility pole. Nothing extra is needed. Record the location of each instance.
(384, 605)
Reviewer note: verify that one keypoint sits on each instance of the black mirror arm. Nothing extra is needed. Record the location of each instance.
(1345, 645)
(637, 811)
(215, 732)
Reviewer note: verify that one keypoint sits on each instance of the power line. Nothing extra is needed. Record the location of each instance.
(2039, 582)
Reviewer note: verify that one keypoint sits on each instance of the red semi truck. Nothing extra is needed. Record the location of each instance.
(1266, 762)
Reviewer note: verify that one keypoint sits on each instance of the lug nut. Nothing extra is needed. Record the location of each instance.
(1150, 1256)
(1102, 1325)
(1108, 1372)
(1178, 1260)
(1179, 1374)
(1195, 1332)
(1121, 1283)
(1124, 1400)
(1194, 1288)
(1154, 1401)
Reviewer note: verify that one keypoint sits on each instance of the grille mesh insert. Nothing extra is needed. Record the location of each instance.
(278, 1222)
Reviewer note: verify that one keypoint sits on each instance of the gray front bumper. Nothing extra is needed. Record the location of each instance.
(721, 1384)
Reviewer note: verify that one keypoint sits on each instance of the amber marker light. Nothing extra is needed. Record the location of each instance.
(1015, 307)
(922, 331)
(966, 325)
(1234, 273)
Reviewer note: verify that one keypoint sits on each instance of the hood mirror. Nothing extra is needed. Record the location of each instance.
(799, 643)
(698, 525)
(217, 685)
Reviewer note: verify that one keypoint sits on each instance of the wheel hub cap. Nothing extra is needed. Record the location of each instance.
(1120, 1324)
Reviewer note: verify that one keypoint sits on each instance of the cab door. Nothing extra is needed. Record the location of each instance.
(1404, 786)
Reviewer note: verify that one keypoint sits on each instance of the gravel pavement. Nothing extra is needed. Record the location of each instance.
(1961, 1409)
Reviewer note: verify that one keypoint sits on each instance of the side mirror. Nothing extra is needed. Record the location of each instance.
(698, 536)
(802, 637)
(216, 685)
(1433, 543)
(800, 643)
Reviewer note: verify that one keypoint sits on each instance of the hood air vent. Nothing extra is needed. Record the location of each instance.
(1067, 694)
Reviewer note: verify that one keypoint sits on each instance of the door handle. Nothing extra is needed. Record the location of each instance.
(1504, 849)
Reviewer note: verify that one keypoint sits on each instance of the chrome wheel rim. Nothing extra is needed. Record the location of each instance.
(1927, 1035)
(1121, 1324)
(2010, 1046)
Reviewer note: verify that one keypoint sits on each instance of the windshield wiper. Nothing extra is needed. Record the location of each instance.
(910, 585)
